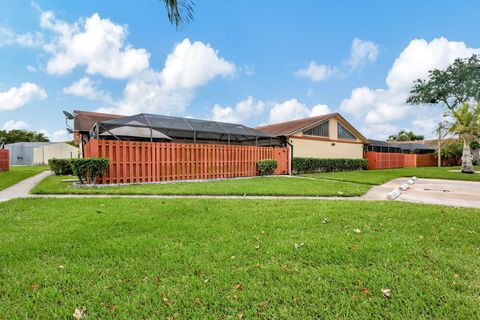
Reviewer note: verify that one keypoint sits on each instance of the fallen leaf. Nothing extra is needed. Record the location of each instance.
(35, 286)
(240, 316)
(386, 292)
(227, 297)
(197, 300)
(257, 265)
(263, 304)
(297, 246)
(285, 268)
(235, 297)
(364, 291)
(165, 299)
(61, 267)
(355, 298)
(295, 300)
(456, 275)
(357, 231)
(239, 287)
(79, 313)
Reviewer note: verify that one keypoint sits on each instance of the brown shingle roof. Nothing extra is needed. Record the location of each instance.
(289, 127)
(84, 120)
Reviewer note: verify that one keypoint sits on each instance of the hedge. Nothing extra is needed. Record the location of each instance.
(266, 167)
(60, 166)
(309, 165)
(88, 169)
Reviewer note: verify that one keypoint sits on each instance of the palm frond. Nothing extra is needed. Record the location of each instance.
(179, 12)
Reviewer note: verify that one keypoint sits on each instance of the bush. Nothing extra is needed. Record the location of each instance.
(309, 165)
(88, 169)
(61, 167)
(266, 167)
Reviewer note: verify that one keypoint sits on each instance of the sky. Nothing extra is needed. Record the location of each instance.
(249, 62)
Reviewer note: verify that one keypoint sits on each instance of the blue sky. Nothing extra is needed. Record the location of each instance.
(239, 61)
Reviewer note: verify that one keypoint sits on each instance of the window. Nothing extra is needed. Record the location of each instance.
(321, 130)
(343, 133)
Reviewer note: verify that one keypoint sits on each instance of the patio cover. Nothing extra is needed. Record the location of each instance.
(185, 128)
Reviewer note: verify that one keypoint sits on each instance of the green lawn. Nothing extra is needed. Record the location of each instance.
(215, 259)
(274, 186)
(377, 177)
(17, 174)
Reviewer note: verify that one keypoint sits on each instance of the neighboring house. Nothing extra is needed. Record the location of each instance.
(38, 153)
(84, 121)
(416, 147)
(325, 136)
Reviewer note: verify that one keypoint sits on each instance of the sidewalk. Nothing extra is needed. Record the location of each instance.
(22, 189)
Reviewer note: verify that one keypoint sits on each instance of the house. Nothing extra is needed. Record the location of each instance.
(325, 136)
(38, 153)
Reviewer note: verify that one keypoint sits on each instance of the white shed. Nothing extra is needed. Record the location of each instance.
(37, 153)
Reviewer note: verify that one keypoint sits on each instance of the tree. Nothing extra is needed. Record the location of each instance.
(405, 136)
(467, 126)
(13, 136)
(179, 11)
(457, 87)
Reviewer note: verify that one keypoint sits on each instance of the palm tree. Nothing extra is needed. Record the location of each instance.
(467, 126)
(179, 11)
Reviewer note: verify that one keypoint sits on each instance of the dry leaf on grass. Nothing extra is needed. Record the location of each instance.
(165, 299)
(456, 276)
(364, 291)
(79, 313)
(358, 231)
(386, 292)
(239, 287)
(197, 300)
(297, 246)
(263, 304)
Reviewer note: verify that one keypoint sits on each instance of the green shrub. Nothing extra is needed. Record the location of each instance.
(266, 167)
(308, 165)
(88, 169)
(61, 167)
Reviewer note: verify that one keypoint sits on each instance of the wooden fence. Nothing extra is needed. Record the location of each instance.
(385, 160)
(4, 160)
(133, 162)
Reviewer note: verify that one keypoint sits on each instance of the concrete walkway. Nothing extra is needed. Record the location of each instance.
(426, 191)
(22, 189)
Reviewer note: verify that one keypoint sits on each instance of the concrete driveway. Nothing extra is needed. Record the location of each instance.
(432, 191)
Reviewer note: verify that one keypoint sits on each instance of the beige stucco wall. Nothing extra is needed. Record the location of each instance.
(41, 155)
(326, 149)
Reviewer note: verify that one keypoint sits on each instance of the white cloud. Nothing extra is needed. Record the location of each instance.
(98, 44)
(9, 37)
(189, 66)
(316, 72)
(380, 131)
(243, 110)
(88, 89)
(31, 68)
(293, 109)
(380, 107)
(15, 97)
(57, 136)
(319, 110)
(15, 125)
(362, 51)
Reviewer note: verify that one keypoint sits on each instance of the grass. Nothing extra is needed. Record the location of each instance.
(272, 186)
(214, 259)
(377, 177)
(17, 174)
